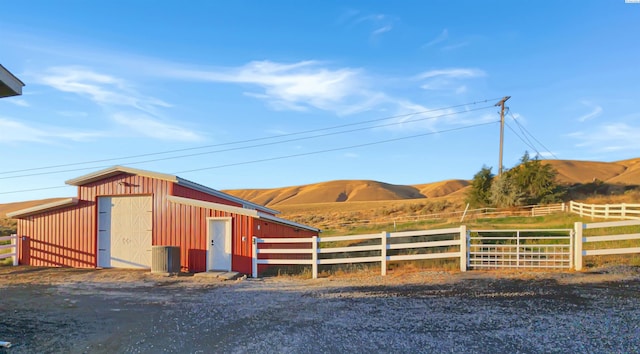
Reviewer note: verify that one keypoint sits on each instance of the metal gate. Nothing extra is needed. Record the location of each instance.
(548, 248)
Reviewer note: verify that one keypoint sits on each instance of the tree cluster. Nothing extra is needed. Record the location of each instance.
(530, 182)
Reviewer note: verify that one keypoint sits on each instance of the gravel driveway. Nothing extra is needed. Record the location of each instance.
(106, 311)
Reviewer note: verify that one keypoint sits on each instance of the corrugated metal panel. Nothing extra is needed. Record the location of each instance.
(55, 239)
(182, 191)
(67, 237)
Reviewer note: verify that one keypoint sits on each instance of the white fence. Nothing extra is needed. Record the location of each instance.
(580, 240)
(13, 246)
(606, 211)
(386, 247)
(548, 248)
(547, 209)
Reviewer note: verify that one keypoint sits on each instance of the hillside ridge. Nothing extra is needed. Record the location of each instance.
(570, 172)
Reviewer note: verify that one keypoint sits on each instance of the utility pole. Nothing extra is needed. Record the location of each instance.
(501, 104)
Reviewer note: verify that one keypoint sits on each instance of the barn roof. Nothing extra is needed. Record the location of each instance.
(116, 170)
(241, 211)
(10, 85)
(40, 208)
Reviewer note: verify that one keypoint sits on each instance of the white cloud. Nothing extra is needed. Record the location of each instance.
(15, 131)
(610, 137)
(100, 88)
(18, 101)
(381, 30)
(151, 127)
(379, 23)
(448, 79)
(113, 93)
(443, 36)
(298, 86)
(595, 111)
(351, 155)
(454, 73)
(455, 46)
(73, 114)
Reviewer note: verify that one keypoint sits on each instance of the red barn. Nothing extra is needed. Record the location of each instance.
(121, 212)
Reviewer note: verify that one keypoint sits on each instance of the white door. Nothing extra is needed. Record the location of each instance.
(125, 231)
(219, 252)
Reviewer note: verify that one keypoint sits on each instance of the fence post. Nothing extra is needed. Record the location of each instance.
(383, 252)
(623, 211)
(463, 248)
(14, 242)
(564, 207)
(578, 245)
(314, 257)
(254, 256)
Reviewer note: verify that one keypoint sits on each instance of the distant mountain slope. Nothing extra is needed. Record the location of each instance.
(572, 171)
(569, 172)
(631, 175)
(440, 189)
(325, 192)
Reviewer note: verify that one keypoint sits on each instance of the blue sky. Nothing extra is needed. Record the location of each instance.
(260, 94)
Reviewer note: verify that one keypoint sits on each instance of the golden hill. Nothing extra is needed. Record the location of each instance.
(619, 172)
(625, 172)
(326, 192)
(569, 172)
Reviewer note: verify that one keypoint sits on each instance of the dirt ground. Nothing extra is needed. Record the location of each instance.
(45, 310)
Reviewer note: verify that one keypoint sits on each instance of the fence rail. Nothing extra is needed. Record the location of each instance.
(547, 209)
(385, 246)
(13, 245)
(606, 211)
(580, 240)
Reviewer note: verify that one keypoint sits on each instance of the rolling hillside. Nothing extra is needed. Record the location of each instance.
(570, 172)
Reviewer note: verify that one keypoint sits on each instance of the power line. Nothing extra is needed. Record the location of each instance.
(524, 135)
(34, 189)
(243, 141)
(246, 147)
(534, 138)
(526, 142)
(299, 155)
(336, 149)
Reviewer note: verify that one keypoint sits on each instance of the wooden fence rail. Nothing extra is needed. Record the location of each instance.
(426, 244)
(13, 246)
(580, 240)
(606, 211)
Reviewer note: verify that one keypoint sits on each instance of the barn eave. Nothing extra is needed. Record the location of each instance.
(241, 211)
(23, 213)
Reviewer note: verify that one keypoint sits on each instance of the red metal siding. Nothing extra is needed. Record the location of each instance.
(67, 237)
(56, 239)
(185, 192)
(189, 231)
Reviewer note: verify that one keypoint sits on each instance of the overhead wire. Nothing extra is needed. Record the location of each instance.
(303, 154)
(249, 146)
(247, 140)
(532, 136)
(526, 142)
(338, 149)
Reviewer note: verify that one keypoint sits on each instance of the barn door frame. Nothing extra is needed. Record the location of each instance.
(219, 255)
